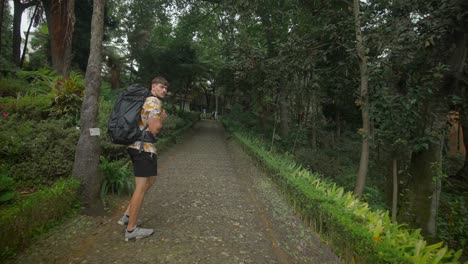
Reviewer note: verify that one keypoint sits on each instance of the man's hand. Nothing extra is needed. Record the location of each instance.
(163, 115)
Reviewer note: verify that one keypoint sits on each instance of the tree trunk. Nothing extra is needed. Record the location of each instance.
(60, 16)
(264, 120)
(25, 48)
(274, 133)
(425, 183)
(184, 99)
(462, 174)
(16, 48)
(216, 105)
(364, 104)
(207, 98)
(2, 9)
(424, 189)
(395, 190)
(314, 119)
(86, 166)
(338, 123)
(458, 62)
(115, 76)
(284, 113)
(18, 10)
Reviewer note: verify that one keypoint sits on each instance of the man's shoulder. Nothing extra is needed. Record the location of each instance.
(153, 99)
(152, 102)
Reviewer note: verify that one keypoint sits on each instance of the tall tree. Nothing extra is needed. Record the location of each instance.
(363, 102)
(448, 47)
(88, 149)
(60, 16)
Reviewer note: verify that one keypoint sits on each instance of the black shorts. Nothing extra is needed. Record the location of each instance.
(145, 164)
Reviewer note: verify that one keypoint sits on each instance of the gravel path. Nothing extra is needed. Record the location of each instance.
(210, 204)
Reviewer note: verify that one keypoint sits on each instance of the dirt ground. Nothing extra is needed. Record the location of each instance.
(210, 204)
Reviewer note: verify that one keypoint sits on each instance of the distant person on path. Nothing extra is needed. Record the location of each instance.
(144, 159)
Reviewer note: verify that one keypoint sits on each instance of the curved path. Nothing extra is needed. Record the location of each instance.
(210, 204)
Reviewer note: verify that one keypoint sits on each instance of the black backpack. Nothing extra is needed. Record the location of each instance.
(123, 125)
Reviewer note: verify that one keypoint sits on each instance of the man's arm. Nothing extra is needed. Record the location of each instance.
(155, 124)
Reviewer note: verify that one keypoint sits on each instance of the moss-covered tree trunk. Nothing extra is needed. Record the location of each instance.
(420, 203)
(86, 166)
(422, 197)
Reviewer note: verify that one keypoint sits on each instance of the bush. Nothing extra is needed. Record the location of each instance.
(7, 191)
(40, 81)
(26, 107)
(118, 177)
(452, 222)
(68, 96)
(21, 221)
(12, 87)
(37, 152)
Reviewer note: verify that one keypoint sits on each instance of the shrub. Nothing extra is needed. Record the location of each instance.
(12, 87)
(7, 191)
(40, 81)
(68, 96)
(22, 220)
(452, 222)
(26, 107)
(118, 177)
(37, 152)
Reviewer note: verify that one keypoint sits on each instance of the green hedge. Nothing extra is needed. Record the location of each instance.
(21, 221)
(357, 234)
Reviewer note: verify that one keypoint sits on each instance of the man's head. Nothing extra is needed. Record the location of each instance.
(159, 86)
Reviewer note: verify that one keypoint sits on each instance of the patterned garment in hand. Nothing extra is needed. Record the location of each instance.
(151, 109)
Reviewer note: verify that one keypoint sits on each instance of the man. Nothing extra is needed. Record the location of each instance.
(144, 158)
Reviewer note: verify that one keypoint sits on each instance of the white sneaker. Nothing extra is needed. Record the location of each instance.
(138, 233)
(124, 221)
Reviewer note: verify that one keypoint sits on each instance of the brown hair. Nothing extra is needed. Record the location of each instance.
(160, 80)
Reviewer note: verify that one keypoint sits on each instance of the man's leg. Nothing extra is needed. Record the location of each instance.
(149, 183)
(133, 232)
(141, 185)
